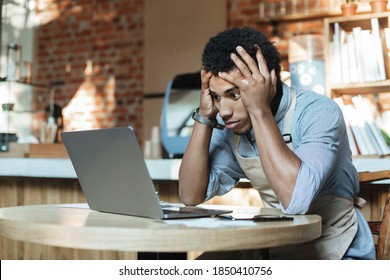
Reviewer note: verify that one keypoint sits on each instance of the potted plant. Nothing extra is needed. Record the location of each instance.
(378, 6)
(349, 7)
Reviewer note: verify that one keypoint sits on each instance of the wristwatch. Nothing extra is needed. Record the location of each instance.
(205, 121)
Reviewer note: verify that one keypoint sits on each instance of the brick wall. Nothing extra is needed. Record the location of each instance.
(107, 35)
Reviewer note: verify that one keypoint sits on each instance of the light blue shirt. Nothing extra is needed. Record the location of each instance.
(320, 140)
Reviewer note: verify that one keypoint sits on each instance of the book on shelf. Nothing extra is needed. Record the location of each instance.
(358, 55)
(352, 59)
(387, 37)
(378, 48)
(351, 138)
(364, 135)
(363, 106)
(335, 55)
(345, 64)
(369, 57)
(352, 142)
(359, 130)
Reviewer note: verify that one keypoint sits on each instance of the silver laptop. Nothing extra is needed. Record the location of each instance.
(114, 178)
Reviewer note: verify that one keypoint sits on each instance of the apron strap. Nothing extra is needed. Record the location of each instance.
(287, 119)
(359, 202)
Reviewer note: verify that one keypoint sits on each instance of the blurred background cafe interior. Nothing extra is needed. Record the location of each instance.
(84, 64)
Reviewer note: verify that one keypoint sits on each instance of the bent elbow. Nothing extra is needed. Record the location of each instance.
(189, 202)
(190, 199)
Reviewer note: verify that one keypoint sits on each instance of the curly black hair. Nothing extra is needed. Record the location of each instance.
(216, 54)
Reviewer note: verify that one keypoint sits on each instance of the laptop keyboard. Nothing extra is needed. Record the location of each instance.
(164, 204)
(188, 210)
(179, 208)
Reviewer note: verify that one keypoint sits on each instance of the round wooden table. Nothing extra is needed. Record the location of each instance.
(76, 226)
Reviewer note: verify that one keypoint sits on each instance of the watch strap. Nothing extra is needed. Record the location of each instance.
(205, 121)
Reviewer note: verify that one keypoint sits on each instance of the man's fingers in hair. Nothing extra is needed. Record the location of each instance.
(262, 64)
(250, 63)
(242, 67)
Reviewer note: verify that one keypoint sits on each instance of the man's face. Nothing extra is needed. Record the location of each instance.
(227, 99)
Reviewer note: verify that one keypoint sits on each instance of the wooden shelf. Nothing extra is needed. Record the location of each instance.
(356, 18)
(299, 17)
(361, 88)
(348, 23)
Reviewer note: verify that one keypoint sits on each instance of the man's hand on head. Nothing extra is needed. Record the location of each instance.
(257, 84)
(207, 107)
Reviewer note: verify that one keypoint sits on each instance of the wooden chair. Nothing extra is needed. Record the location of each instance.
(381, 229)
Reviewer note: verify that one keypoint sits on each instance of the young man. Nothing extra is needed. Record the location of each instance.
(291, 144)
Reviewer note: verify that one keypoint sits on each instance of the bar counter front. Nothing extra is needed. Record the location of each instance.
(32, 181)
